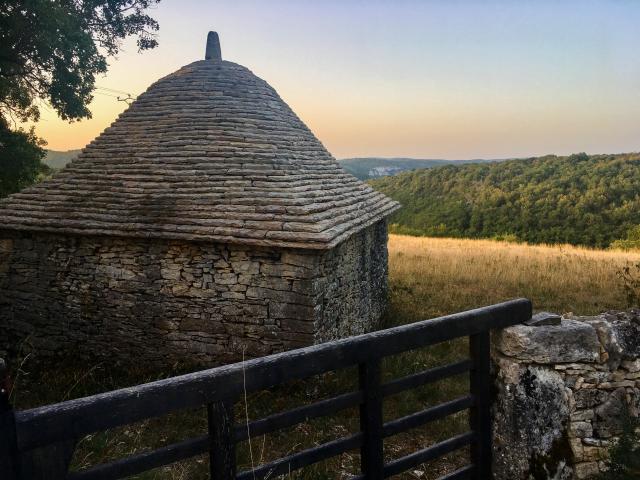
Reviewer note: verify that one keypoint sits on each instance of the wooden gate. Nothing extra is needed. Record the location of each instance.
(39, 443)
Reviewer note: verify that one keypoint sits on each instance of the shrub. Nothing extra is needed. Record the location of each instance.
(632, 242)
(624, 456)
(630, 277)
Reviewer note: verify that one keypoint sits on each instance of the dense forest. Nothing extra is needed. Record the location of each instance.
(580, 199)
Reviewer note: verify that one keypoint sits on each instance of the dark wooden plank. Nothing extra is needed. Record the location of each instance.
(424, 377)
(302, 459)
(438, 450)
(294, 416)
(428, 415)
(480, 415)
(460, 474)
(371, 455)
(222, 449)
(75, 418)
(142, 462)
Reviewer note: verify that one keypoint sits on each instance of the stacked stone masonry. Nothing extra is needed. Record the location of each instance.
(208, 153)
(563, 392)
(162, 301)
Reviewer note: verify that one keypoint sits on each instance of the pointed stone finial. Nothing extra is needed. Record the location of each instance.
(213, 48)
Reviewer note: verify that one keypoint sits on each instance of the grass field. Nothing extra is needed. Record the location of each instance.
(436, 276)
(428, 277)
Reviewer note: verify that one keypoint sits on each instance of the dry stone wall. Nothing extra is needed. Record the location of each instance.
(563, 390)
(161, 301)
(351, 286)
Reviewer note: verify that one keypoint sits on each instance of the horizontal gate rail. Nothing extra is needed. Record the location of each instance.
(142, 462)
(438, 450)
(304, 458)
(461, 473)
(292, 417)
(416, 420)
(39, 433)
(427, 376)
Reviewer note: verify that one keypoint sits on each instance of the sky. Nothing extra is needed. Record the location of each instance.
(410, 78)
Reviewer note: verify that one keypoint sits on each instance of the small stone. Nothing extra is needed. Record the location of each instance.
(589, 398)
(609, 419)
(580, 429)
(595, 442)
(631, 365)
(225, 278)
(576, 448)
(614, 385)
(179, 289)
(586, 470)
(544, 318)
(592, 454)
(582, 415)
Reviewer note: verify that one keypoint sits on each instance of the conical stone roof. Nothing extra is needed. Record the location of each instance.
(210, 152)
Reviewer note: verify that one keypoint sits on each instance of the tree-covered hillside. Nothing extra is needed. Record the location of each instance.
(580, 199)
(58, 160)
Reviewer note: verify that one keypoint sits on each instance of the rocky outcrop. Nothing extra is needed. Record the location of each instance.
(562, 393)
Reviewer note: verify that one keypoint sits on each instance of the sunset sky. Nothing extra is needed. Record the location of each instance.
(428, 79)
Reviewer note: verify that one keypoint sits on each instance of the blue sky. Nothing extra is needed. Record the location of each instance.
(430, 79)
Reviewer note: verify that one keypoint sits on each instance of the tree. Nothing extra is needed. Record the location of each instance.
(632, 241)
(580, 199)
(21, 153)
(52, 51)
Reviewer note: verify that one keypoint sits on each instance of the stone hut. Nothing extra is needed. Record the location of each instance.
(206, 223)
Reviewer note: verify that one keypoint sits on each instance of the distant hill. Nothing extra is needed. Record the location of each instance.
(57, 160)
(580, 199)
(376, 167)
(363, 168)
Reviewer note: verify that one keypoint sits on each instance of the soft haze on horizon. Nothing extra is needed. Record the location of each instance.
(428, 79)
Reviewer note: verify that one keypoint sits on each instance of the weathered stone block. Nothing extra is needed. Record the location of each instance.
(572, 341)
(589, 398)
(6, 245)
(298, 326)
(225, 278)
(278, 310)
(609, 414)
(531, 419)
(246, 267)
(580, 429)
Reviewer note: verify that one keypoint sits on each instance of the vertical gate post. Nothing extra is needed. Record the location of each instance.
(8, 446)
(222, 449)
(480, 415)
(371, 455)
(7, 429)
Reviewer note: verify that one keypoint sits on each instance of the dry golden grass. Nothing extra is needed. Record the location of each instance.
(437, 276)
(428, 277)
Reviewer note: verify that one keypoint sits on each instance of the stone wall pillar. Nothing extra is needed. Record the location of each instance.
(562, 390)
